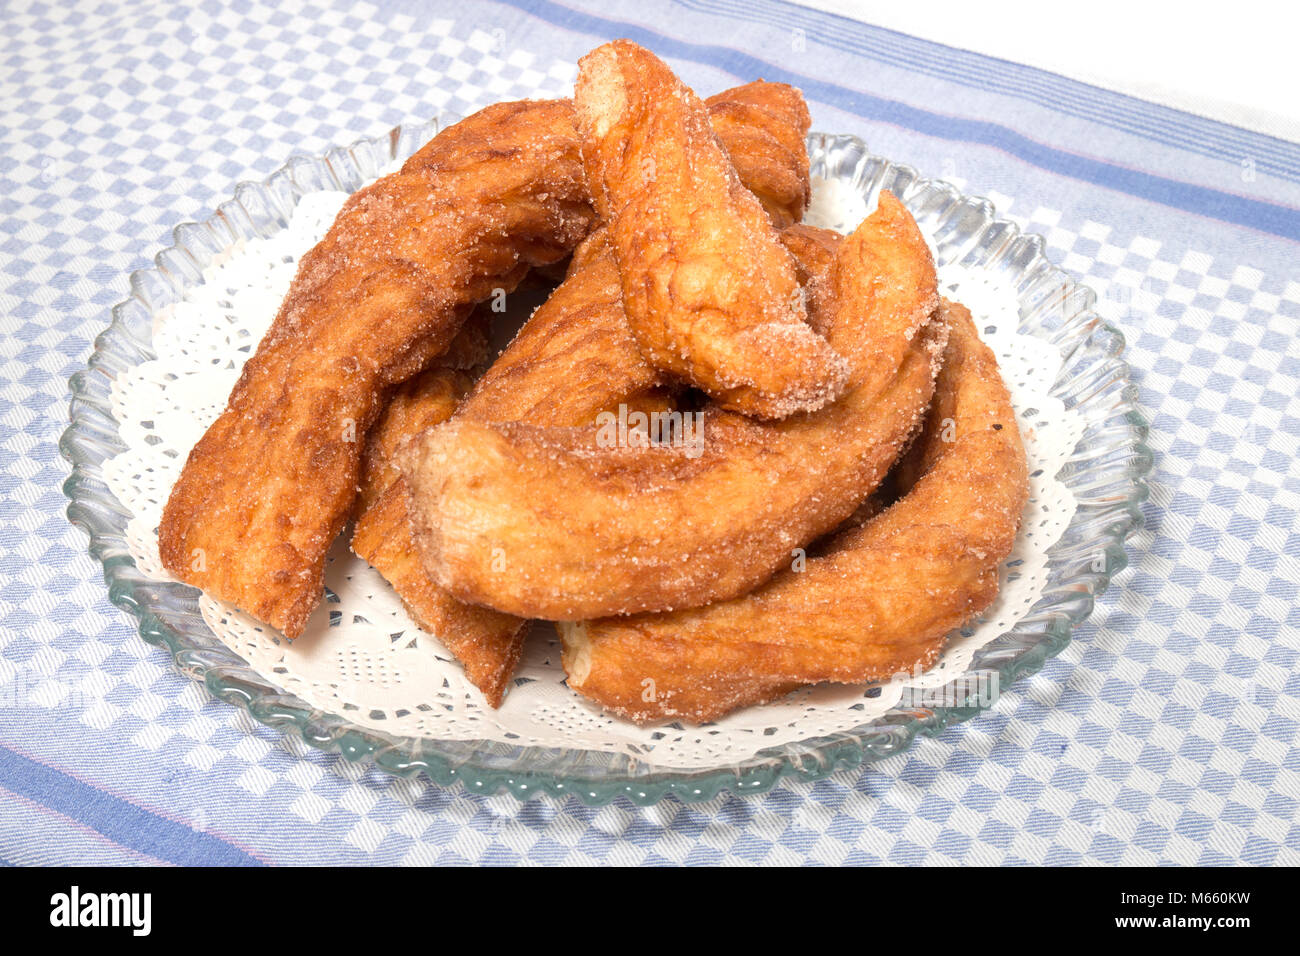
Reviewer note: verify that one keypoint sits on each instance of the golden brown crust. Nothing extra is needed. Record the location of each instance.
(572, 360)
(420, 403)
(879, 601)
(763, 127)
(545, 522)
(270, 485)
(712, 297)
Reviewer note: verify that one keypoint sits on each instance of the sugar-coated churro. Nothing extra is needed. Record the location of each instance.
(711, 296)
(878, 600)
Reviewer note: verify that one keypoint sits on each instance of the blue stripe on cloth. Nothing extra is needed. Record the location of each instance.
(119, 820)
(1073, 97)
(51, 838)
(1282, 221)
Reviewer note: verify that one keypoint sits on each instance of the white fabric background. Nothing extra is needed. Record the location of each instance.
(1231, 62)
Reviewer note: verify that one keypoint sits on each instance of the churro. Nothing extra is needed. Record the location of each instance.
(877, 601)
(712, 297)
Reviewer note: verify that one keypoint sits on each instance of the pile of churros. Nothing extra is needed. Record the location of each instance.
(731, 455)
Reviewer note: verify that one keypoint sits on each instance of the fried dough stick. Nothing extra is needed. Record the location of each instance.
(543, 522)
(573, 359)
(711, 295)
(269, 486)
(879, 601)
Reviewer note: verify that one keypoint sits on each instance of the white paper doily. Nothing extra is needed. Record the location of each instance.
(361, 656)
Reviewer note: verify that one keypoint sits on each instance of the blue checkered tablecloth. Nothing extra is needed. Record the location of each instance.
(1165, 733)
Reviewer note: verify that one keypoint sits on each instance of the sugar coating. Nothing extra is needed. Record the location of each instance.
(711, 296)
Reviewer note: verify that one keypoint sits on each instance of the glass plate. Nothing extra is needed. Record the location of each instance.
(1105, 473)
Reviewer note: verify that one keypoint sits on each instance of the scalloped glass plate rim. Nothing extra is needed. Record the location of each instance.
(168, 616)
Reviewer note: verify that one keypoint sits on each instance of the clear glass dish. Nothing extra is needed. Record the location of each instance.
(1106, 474)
